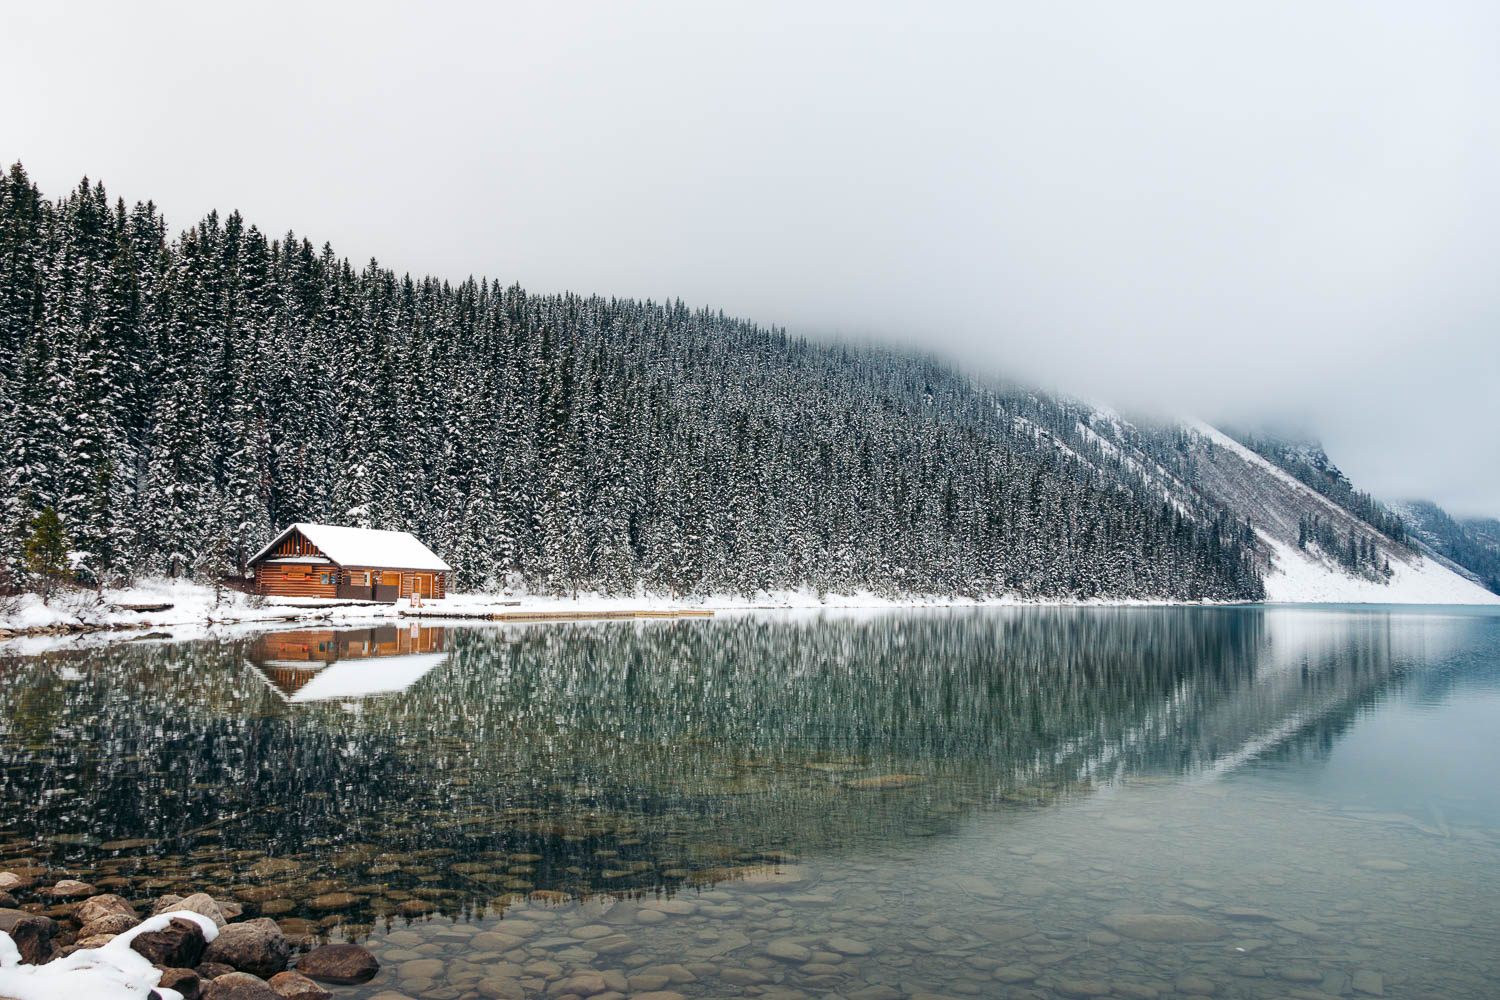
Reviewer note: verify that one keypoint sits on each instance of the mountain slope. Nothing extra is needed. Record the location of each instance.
(1471, 547)
(1278, 504)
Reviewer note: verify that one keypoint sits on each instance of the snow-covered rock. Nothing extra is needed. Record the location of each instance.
(111, 972)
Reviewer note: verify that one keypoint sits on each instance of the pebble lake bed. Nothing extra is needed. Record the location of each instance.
(1239, 802)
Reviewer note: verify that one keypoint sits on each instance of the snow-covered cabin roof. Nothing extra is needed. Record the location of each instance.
(363, 547)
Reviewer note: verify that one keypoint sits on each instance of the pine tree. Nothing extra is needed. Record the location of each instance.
(46, 554)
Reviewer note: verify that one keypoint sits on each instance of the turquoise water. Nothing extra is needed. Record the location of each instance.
(1237, 802)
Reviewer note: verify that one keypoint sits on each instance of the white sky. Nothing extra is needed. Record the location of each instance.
(1278, 211)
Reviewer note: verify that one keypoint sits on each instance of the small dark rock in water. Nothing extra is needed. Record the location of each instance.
(255, 946)
(179, 945)
(32, 933)
(345, 964)
(212, 970)
(295, 986)
(238, 986)
(109, 904)
(7, 901)
(184, 981)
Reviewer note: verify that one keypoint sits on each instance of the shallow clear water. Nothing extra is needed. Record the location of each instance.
(1247, 802)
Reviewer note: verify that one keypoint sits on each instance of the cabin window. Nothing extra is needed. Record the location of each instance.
(326, 578)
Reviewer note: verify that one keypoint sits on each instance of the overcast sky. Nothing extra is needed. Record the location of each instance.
(1277, 212)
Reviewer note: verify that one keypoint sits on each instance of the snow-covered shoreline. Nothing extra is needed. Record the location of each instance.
(194, 605)
(86, 618)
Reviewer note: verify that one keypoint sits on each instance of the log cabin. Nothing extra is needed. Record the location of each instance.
(325, 560)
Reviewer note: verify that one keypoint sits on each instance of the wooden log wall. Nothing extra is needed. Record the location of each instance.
(295, 580)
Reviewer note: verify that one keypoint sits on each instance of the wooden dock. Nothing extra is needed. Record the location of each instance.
(558, 616)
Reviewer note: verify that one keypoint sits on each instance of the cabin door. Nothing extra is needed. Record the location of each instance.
(387, 585)
(421, 583)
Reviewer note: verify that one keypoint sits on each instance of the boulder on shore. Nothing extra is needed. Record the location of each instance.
(295, 986)
(238, 986)
(32, 934)
(106, 905)
(184, 981)
(255, 946)
(109, 923)
(178, 945)
(199, 902)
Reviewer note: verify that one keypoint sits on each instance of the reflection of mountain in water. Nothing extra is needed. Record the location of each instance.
(630, 755)
(321, 664)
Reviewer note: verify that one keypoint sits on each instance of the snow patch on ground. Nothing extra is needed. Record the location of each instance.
(1301, 578)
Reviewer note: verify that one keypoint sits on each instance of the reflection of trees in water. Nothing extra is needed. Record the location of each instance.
(1323, 694)
(652, 740)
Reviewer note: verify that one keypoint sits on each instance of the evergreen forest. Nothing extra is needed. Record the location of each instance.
(169, 399)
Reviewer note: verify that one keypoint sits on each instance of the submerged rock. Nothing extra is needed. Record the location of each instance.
(344, 964)
(788, 951)
(11, 882)
(334, 901)
(1167, 927)
(271, 867)
(884, 781)
(1195, 985)
(69, 888)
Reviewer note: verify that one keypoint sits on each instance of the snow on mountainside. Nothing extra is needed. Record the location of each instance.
(1470, 546)
(1276, 503)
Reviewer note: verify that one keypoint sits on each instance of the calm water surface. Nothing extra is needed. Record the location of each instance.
(1237, 802)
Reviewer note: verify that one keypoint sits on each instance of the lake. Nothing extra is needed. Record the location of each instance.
(1020, 802)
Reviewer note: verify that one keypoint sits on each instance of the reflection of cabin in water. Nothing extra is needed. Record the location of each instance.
(324, 560)
(313, 664)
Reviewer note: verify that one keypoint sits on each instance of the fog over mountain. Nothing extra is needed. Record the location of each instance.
(1270, 214)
